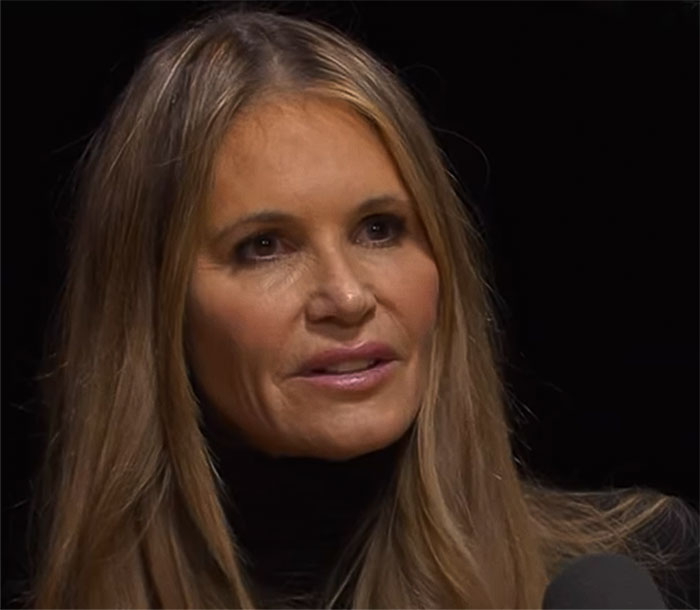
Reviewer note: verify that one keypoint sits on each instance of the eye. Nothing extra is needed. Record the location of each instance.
(381, 229)
(259, 248)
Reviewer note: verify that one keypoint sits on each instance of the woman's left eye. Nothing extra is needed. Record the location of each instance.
(382, 229)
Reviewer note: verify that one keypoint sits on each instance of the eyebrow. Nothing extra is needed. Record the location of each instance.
(271, 216)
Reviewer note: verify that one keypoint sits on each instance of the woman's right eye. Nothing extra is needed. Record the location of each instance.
(259, 248)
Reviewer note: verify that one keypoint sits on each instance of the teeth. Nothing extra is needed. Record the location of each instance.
(349, 366)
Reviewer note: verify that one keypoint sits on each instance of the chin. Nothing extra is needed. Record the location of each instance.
(353, 443)
(343, 452)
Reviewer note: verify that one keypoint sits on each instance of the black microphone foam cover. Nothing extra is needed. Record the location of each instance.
(603, 580)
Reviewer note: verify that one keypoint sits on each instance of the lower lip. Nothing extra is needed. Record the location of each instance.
(358, 381)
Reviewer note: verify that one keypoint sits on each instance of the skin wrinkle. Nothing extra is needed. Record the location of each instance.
(327, 284)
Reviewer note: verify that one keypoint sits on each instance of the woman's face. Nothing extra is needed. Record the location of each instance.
(314, 293)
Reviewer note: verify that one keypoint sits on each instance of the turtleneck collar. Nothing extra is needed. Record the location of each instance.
(294, 517)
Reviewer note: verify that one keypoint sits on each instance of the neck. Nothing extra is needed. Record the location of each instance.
(294, 517)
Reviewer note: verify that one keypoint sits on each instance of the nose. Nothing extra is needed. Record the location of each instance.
(341, 291)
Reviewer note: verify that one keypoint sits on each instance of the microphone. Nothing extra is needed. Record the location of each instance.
(603, 580)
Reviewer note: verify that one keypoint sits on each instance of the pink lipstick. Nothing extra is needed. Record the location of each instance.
(350, 369)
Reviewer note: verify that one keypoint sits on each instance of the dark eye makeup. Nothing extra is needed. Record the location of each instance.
(260, 247)
(377, 230)
(382, 229)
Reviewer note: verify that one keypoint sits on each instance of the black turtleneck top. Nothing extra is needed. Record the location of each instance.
(294, 517)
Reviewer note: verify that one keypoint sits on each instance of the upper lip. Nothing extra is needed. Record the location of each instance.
(332, 357)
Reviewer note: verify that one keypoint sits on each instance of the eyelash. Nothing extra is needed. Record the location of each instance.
(396, 225)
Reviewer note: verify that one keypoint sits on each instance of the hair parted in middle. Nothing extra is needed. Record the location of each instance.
(136, 515)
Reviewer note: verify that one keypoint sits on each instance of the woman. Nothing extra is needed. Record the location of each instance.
(277, 383)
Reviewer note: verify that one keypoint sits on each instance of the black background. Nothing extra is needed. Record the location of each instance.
(588, 116)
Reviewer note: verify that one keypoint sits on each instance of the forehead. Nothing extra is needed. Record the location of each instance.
(301, 151)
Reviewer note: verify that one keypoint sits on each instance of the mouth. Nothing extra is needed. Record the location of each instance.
(348, 367)
(350, 378)
(348, 360)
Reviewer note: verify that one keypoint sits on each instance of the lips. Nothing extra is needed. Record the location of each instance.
(349, 366)
(348, 360)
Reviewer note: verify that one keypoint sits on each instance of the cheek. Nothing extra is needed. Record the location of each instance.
(414, 287)
(231, 327)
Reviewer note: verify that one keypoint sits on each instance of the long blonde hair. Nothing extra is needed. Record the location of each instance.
(132, 510)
